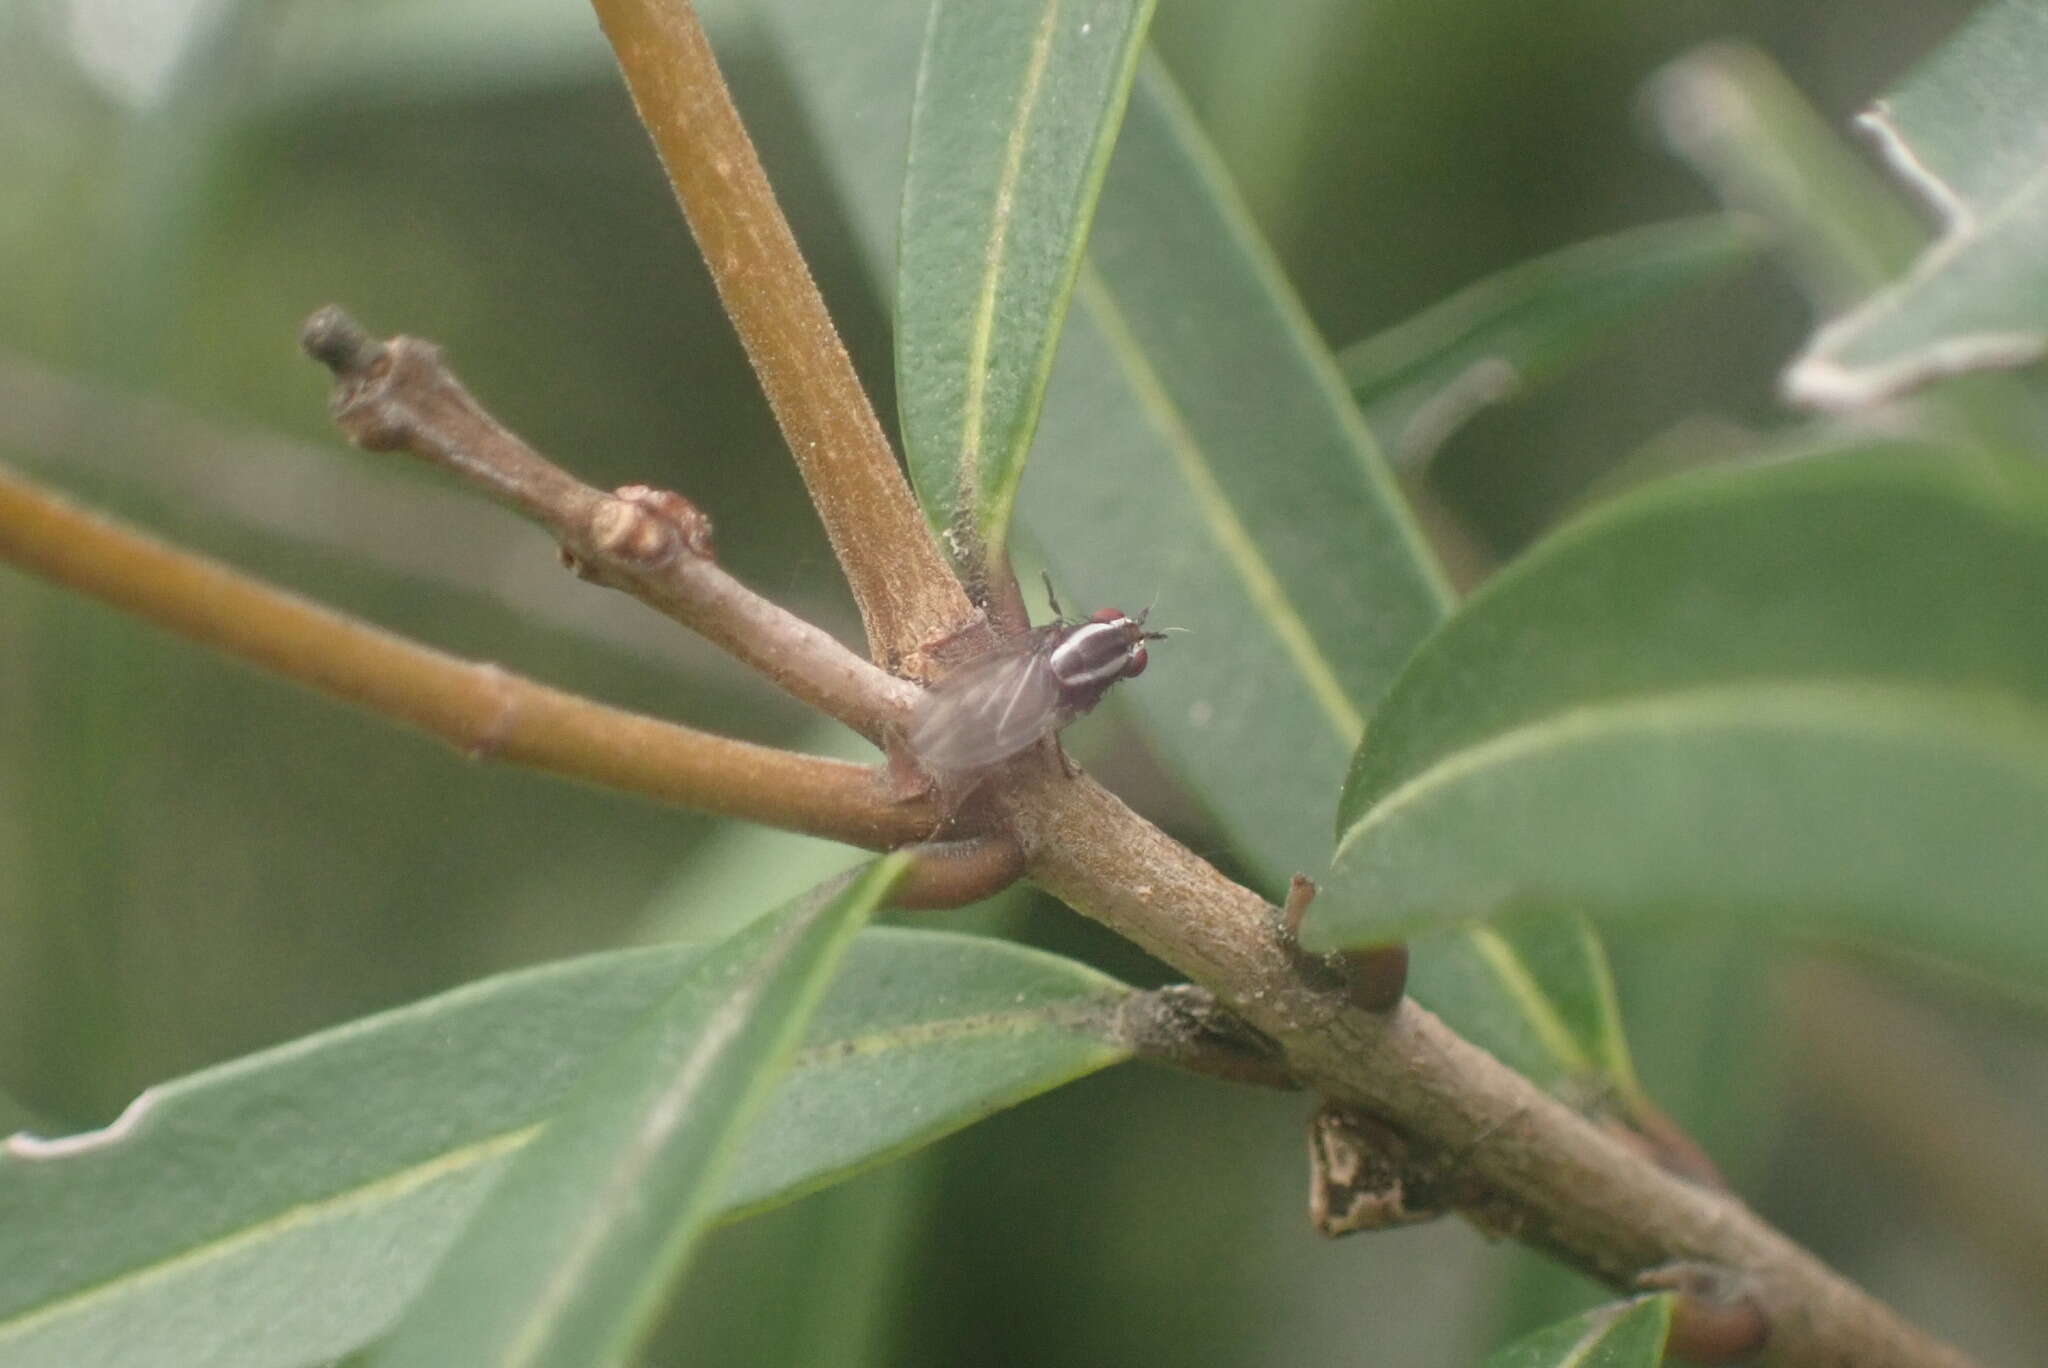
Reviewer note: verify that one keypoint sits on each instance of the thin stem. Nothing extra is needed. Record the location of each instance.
(907, 594)
(482, 710)
(374, 514)
(400, 395)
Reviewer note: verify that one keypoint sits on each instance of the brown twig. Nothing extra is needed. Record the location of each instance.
(907, 594)
(484, 711)
(1561, 1182)
(203, 472)
(400, 395)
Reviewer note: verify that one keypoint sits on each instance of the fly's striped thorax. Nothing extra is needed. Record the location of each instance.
(1095, 654)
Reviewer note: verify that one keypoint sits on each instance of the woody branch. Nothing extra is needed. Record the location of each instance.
(1547, 1174)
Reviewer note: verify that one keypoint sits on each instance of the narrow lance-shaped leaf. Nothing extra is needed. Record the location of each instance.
(1537, 990)
(566, 1262)
(567, 1259)
(1198, 439)
(303, 1195)
(1812, 698)
(1198, 445)
(1506, 336)
(1964, 132)
(1626, 1335)
(1017, 105)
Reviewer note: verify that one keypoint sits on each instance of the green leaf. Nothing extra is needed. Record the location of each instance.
(1509, 334)
(567, 1260)
(1811, 697)
(1199, 443)
(942, 1031)
(13, 1115)
(1017, 105)
(1536, 990)
(1624, 1335)
(1965, 132)
(1198, 440)
(302, 1195)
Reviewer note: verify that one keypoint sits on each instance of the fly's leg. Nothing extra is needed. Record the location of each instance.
(907, 779)
(954, 648)
(1067, 765)
(1052, 600)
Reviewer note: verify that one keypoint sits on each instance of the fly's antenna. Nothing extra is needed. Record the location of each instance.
(1163, 632)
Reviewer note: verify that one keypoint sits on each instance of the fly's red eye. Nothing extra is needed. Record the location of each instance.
(1136, 664)
(1108, 615)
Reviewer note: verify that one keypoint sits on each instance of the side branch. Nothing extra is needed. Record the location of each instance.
(482, 710)
(401, 396)
(1542, 1172)
(907, 594)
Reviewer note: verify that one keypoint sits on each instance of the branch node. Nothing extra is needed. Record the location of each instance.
(338, 342)
(956, 873)
(1301, 891)
(1375, 978)
(654, 544)
(645, 526)
(1184, 1025)
(1363, 1175)
(1366, 1175)
(370, 403)
(1378, 976)
(1716, 1317)
(490, 738)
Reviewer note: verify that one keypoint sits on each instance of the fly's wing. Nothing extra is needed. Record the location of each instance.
(987, 710)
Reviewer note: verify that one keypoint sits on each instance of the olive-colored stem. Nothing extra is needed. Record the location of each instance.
(907, 594)
(482, 710)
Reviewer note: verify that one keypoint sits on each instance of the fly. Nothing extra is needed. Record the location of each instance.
(998, 704)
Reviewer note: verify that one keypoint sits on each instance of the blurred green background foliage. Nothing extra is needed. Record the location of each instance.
(196, 861)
